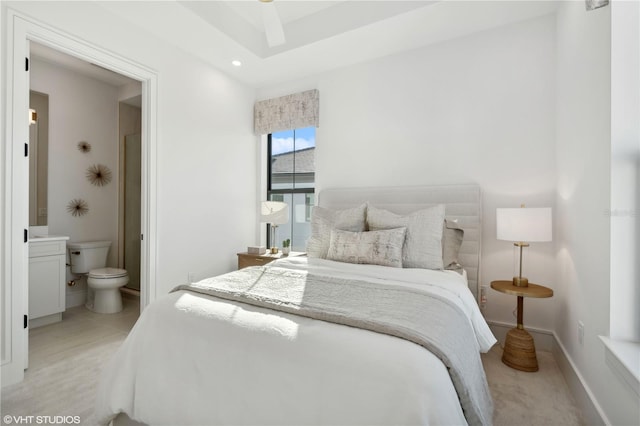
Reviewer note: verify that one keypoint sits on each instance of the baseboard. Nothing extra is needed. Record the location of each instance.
(46, 320)
(130, 293)
(591, 411)
(76, 298)
(543, 339)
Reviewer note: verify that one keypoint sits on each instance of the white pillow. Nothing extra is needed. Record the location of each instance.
(373, 248)
(423, 242)
(323, 221)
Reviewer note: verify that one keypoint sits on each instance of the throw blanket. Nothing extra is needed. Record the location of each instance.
(422, 318)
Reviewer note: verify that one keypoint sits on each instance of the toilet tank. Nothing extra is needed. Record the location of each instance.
(88, 255)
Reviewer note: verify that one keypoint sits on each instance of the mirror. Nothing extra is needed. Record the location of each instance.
(38, 158)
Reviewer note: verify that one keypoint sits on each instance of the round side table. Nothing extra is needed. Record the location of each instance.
(519, 349)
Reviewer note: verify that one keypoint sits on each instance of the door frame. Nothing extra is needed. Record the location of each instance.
(21, 30)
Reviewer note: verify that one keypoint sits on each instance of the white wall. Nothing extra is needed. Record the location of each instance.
(583, 202)
(206, 147)
(479, 109)
(80, 109)
(625, 171)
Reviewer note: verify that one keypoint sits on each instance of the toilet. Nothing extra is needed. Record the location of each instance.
(104, 283)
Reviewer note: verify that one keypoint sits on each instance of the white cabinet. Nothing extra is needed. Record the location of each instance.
(47, 263)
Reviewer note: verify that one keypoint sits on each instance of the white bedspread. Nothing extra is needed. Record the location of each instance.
(195, 359)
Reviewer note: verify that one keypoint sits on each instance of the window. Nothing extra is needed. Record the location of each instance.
(291, 179)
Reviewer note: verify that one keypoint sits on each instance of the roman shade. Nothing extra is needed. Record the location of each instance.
(293, 111)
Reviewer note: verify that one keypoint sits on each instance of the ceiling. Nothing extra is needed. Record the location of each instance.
(288, 10)
(43, 53)
(304, 22)
(40, 52)
(320, 35)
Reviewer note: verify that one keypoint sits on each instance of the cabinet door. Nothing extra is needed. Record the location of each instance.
(46, 285)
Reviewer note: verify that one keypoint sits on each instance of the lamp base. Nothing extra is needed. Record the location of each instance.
(520, 351)
(521, 281)
(274, 250)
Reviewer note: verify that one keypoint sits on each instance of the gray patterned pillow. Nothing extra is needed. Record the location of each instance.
(423, 243)
(323, 221)
(373, 248)
(452, 236)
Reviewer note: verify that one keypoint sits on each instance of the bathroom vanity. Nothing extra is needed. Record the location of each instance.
(47, 275)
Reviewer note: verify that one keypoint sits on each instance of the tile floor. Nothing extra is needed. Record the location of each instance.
(65, 360)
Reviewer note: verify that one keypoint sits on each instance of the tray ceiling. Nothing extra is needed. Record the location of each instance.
(319, 35)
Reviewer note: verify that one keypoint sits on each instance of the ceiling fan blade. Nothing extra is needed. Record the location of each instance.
(272, 25)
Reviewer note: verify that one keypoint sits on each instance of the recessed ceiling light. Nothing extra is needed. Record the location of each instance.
(236, 63)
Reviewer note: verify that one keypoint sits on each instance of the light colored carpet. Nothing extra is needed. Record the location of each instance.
(528, 399)
(65, 361)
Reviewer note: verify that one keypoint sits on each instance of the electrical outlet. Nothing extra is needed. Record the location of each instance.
(483, 296)
(581, 332)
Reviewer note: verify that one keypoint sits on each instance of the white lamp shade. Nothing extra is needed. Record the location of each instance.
(523, 224)
(274, 212)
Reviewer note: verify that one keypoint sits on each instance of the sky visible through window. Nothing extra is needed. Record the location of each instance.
(282, 142)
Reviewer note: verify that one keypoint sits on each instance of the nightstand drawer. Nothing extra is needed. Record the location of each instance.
(253, 260)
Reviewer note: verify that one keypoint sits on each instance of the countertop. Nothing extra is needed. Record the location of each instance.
(43, 238)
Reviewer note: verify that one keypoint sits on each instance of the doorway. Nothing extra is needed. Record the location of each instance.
(92, 111)
(83, 134)
(22, 30)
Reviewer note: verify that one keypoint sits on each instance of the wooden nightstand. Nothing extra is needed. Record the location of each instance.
(519, 350)
(245, 259)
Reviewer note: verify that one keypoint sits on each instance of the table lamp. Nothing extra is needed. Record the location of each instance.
(274, 213)
(523, 225)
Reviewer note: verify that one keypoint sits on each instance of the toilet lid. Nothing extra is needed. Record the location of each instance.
(107, 273)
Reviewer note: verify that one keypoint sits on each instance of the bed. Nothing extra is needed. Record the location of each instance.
(319, 339)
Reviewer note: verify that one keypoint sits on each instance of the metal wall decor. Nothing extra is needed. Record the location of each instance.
(99, 174)
(78, 207)
(84, 147)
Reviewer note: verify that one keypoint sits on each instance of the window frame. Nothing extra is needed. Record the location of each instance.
(285, 191)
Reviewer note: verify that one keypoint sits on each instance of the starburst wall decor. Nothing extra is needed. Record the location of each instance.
(78, 207)
(99, 175)
(84, 147)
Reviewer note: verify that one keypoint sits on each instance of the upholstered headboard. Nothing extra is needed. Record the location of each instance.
(462, 202)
